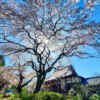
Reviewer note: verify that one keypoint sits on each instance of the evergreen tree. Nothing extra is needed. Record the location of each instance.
(2, 62)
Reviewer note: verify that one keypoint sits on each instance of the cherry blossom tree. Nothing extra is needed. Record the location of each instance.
(23, 76)
(46, 31)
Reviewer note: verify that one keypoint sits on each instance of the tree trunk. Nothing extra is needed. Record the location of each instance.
(19, 89)
(40, 80)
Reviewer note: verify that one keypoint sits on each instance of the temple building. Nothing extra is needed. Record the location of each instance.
(62, 80)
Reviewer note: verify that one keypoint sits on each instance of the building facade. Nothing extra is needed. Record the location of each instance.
(62, 80)
(93, 81)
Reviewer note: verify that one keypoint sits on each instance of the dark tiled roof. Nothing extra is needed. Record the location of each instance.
(63, 72)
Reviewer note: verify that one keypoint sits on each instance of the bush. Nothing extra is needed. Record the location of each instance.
(25, 95)
(49, 96)
(72, 92)
(42, 96)
(80, 92)
(95, 97)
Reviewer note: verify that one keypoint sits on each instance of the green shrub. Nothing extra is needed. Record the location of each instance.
(49, 96)
(42, 96)
(80, 92)
(24, 94)
(95, 97)
(72, 92)
(2, 62)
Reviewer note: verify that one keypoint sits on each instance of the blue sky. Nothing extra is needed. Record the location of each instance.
(91, 66)
(87, 67)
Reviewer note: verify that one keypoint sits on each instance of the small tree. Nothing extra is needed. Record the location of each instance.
(22, 74)
(46, 31)
(2, 62)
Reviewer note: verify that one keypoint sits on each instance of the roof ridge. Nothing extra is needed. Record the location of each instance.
(61, 68)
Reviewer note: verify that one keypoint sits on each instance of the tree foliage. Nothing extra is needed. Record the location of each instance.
(45, 31)
(2, 62)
